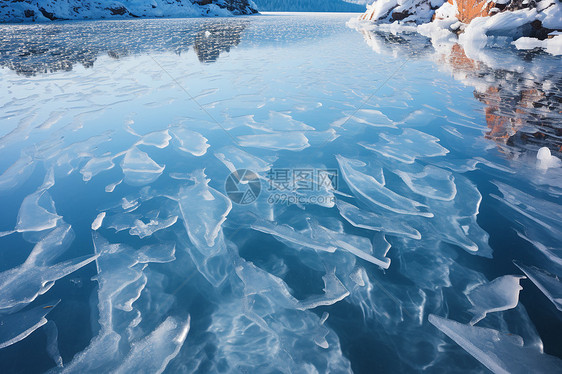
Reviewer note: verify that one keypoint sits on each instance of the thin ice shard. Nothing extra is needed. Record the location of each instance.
(372, 221)
(334, 291)
(549, 284)
(500, 294)
(276, 141)
(16, 327)
(96, 166)
(21, 285)
(204, 210)
(235, 159)
(37, 213)
(374, 192)
(17, 173)
(98, 221)
(139, 168)
(152, 354)
(432, 182)
(500, 352)
(190, 141)
(158, 139)
(289, 234)
(408, 146)
(142, 230)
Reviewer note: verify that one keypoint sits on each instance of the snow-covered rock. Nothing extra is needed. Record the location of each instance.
(418, 11)
(531, 24)
(49, 10)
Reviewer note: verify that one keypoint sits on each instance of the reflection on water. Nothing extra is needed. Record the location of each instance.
(54, 47)
(522, 91)
(521, 111)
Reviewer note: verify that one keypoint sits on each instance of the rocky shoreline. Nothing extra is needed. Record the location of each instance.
(529, 24)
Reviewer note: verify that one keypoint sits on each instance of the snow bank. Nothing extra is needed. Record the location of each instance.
(552, 46)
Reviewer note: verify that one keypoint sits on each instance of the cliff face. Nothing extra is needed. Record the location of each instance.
(470, 9)
(50, 10)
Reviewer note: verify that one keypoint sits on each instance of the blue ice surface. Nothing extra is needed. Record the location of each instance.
(117, 144)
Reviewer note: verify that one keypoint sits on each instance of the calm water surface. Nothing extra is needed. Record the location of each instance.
(362, 149)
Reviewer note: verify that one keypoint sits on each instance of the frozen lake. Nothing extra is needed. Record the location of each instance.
(273, 194)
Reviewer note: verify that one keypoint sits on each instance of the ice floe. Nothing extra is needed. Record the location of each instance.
(290, 141)
(96, 224)
(374, 192)
(139, 169)
(236, 159)
(408, 146)
(372, 221)
(158, 139)
(190, 141)
(500, 294)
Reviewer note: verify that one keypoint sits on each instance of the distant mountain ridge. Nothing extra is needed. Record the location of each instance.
(50, 10)
(311, 5)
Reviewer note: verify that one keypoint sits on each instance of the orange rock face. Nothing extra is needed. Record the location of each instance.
(470, 9)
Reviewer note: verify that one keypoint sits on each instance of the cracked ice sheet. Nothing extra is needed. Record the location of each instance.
(258, 324)
(122, 279)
